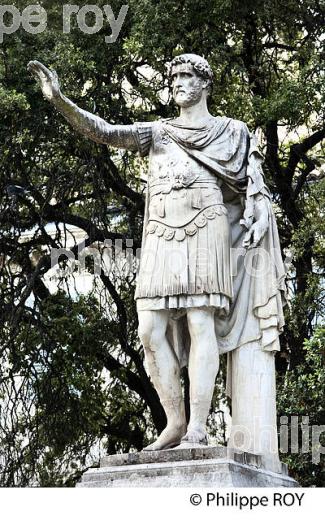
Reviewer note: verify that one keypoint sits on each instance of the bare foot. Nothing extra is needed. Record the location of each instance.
(169, 438)
(195, 436)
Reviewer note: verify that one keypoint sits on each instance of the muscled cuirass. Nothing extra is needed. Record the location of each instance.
(182, 193)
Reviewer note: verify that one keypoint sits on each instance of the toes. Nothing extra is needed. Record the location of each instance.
(195, 437)
(167, 439)
(148, 448)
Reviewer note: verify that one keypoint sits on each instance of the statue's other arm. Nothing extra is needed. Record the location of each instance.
(87, 124)
(257, 197)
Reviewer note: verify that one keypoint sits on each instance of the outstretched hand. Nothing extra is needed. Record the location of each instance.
(48, 79)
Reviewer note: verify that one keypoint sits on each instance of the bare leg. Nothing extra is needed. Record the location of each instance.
(203, 368)
(164, 371)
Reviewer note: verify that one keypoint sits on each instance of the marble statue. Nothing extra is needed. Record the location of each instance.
(211, 277)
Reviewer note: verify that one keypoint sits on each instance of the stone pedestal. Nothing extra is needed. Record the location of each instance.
(210, 466)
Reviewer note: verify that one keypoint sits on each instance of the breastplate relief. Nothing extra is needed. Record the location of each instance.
(183, 194)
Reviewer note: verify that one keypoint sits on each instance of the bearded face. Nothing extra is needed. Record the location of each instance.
(187, 85)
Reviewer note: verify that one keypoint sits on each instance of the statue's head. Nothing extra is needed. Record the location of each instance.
(191, 77)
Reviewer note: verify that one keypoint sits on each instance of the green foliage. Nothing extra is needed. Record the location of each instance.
(301, 393)
(64, 403)
(313, 224)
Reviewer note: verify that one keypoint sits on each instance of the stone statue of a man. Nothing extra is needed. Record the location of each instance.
(202, 289)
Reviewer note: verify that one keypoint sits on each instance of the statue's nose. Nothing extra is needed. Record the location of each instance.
(178, 82)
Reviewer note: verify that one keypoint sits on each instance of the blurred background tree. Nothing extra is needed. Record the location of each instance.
(72, 379)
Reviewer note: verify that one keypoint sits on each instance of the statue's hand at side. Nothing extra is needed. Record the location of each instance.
(48, 79)
(257, 231)
(255, 234)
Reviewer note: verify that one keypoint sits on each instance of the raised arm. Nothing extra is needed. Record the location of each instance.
(87, 124)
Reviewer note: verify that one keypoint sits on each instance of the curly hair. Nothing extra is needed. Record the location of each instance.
(199, 64)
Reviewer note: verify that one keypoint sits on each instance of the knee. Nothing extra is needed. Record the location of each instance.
(202, 333)
(151, 334)
(145, 332)
(201, 325)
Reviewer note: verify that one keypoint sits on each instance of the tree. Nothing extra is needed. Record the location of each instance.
(267, 63)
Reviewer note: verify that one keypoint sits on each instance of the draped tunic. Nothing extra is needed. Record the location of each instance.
(185, 258)
(202, 184)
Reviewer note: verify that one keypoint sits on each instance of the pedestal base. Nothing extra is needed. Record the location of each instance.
(185, 467)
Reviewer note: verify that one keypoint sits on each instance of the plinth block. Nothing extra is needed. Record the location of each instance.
(206, 466)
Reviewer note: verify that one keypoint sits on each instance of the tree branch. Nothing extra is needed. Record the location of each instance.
(310, 166)
(272, 149)
(114, 182)
(298, 150)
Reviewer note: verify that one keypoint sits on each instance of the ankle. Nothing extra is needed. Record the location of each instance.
(177, 425)
(175, 412)
(195, 427)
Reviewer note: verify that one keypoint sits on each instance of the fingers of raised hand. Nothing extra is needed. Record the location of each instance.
(39, 70)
